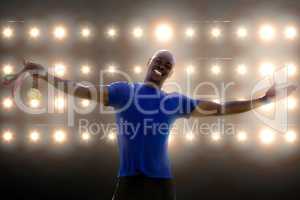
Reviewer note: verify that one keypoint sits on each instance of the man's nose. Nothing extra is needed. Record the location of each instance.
(161, 67)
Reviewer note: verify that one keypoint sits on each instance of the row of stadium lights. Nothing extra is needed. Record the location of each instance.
(266, 69)
(266, 136)
(59, 136)
(162, 32)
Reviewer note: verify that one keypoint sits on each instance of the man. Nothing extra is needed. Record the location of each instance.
(144, 165)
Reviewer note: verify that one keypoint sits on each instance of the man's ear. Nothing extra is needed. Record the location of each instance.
(148, 61)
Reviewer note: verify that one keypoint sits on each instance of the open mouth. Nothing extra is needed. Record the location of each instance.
(157, 72)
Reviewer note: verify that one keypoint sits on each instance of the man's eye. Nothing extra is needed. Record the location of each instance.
(158, 62)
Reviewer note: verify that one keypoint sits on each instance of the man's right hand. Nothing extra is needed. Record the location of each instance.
(34, 69)
(70, 87)
(279, 92)
(32, 66)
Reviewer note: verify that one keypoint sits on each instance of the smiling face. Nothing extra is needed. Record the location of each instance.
(160, 67)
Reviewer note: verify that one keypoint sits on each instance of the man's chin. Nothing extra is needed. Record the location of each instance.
(156, 80)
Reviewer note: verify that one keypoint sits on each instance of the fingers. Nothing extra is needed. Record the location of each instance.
(8, 79)
(283, 92)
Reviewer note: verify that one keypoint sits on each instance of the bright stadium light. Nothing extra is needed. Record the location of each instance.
(34, 103)
(266, 69)
(242, 32)
(85, 136)
(111, 136)
(241, 99)
(7, 32)
(59, 136)
(216, 100)
(290, 136)
(266, 32)
(111, 32)
(85, 103)
(291, 69)
(267, 136)
(59, 69)
(292, 103)
(216, 136)
(59, 103)
(190, 136)
(216, 69)
(163, 33)
(216, 32)
(137, 32)
(85, 69)
(241, 69)
(7, 136)
(85, 32)
(241, 136)
(190, 32)
(59, 32)
(7, 103)
(34, 136)
(111, 69)
(34, 32)
(7, 69)
(268, 107)
(190, 69)
(137, 69)
(34, 98)
(290, 32)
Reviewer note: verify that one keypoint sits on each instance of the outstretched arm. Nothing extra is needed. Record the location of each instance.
(208, 108)
(68, 86)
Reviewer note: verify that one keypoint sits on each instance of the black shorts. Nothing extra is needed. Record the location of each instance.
(144, 188)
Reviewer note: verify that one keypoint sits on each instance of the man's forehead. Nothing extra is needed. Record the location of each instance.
(164, 54)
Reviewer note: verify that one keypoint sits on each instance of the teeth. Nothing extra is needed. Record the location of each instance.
(157, 72)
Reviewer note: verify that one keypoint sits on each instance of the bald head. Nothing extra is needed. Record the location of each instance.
(164, 54)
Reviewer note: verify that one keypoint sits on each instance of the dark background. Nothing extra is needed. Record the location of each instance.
(88, 171)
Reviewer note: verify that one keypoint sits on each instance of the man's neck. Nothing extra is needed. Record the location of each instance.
(152, 84)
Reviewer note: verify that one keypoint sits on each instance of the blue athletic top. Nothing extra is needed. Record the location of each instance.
(144, 115)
